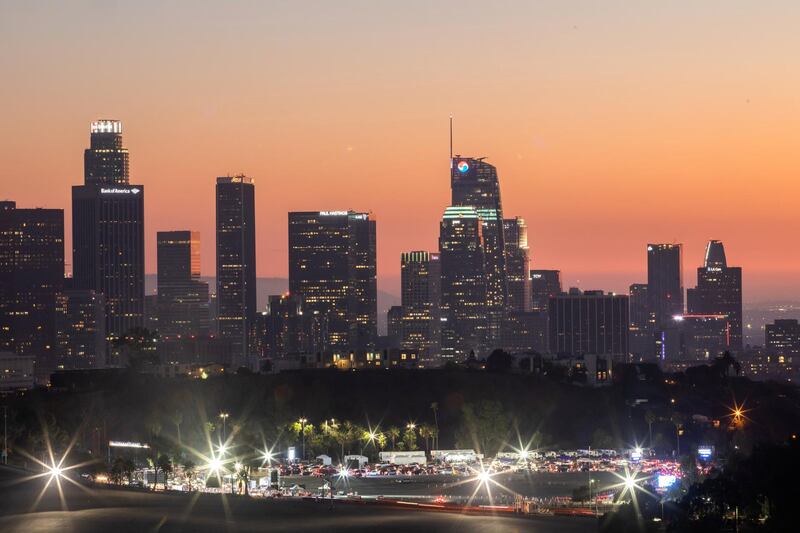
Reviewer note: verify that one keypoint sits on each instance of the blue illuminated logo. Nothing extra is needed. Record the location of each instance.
(463, 166)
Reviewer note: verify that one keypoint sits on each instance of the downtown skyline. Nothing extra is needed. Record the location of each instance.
(597, 162)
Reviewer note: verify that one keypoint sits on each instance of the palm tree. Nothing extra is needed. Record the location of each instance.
(153, 462)
(650, 417)
(165, 464)
(435, 408)
(394, 434)
(426, 431)
(188, 471)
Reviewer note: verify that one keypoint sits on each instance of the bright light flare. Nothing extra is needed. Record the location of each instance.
(214, 465)
(56, 471)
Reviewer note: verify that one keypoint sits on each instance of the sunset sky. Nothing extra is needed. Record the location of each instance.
(612, 124)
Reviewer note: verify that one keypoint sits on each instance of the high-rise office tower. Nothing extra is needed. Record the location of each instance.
(31, 277)
(464, 302)
(182, 296)
(664, 283)
(589, 323)
(640, 338)
(544, 285)
(474, 183)
(719, 291)
(105, 162)
(515, 233)
(108, 230)
(420, 293)
(236, 266)
(332, 266)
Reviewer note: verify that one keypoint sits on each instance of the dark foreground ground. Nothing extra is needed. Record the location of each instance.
(89, 509)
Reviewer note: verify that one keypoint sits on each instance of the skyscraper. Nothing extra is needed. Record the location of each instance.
(544, 285)
(31, 277)
(640, 339)
(182, 296)
(105, 162)
(332, 266)
(464, 301)
(664, 283)
(108, 230)
(474, 183)
(589, 323)
(719, 291)
(515, 233)
(420, 294)
(236, 266)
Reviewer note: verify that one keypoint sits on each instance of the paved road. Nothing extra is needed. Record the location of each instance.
(121, 511)
(505, 485)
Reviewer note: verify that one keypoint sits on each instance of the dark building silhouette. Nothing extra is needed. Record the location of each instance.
(524, 331)
(696, 338)
(108, 230)
(719, 292)
(464, 282)
(182, 296)
(332, 266)
(81, 329)
(236, 266)
(420, 295)
(641, 342)
(589, 323)
(515, 234)
(289, 330)
(544, 285)
(31, 278)
(783, 338)
(664, 288)
(394, 326)
(474, 183)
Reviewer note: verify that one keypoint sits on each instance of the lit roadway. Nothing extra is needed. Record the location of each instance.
(89, 509)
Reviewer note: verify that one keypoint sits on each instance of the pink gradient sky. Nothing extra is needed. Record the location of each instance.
(611, 124)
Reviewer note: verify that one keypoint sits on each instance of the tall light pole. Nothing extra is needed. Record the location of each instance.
(303, 434)
(224, 416)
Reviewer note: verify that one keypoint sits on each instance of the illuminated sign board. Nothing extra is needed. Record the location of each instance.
(704, 452)
(119, 190)
(291, 454)
(107, 126)
(462, 166)
(332, 213)
(665, 481)
(126, 444)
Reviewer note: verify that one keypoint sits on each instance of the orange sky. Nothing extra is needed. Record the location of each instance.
(611, 125)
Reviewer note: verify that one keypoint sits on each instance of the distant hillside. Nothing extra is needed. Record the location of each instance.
(267, 286)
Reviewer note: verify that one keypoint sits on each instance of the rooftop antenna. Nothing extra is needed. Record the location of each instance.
(451, 137)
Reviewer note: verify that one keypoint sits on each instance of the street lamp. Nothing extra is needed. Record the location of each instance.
(303, 421)
(224, 416)
(411, 426)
